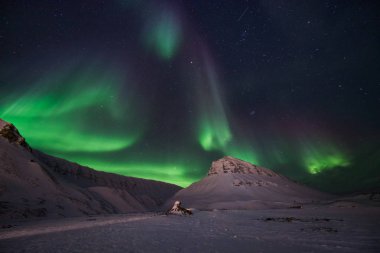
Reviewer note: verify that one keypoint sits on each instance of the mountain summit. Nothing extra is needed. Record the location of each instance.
(232, 183)
(230, 164)
(10, 132)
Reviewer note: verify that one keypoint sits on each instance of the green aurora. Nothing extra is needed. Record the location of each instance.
(79, 114)
(172, 173)
(214, 131)
(213, 127)
(59, 112)
(163, 34)
(160, 89)
(323, 157)
(91, 112)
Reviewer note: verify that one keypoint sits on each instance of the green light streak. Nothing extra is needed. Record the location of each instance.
(243, 152)
(55, 136)
(163, 34)
(166, 172)
(69, 111)
(318, 158)
(317, 164)
(214, 134)
(213, 128)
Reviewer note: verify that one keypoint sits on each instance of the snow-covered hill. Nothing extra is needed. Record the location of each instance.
(34, 184)
(235, 184)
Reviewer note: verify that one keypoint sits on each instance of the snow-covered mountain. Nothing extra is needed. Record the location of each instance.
(34, 184)
(235, 184)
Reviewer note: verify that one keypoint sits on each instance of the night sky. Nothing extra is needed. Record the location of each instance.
(159, 89)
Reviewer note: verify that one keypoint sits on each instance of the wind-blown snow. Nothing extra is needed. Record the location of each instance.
(314, 229)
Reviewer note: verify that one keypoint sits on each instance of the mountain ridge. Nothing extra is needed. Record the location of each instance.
(34, 184)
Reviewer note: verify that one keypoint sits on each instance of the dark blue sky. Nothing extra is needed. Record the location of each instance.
(290, 85)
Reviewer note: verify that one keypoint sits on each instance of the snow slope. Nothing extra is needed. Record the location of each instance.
(33, 184)
(235, 184)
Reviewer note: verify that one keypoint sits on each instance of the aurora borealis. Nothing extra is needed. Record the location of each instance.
(59, 101)
(159, 89)
(163, 33)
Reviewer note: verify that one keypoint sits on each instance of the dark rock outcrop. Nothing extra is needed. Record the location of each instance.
(10, 132)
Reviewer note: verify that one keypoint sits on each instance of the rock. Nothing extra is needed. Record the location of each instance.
(230, 164)
(10, 132)
(179, 210)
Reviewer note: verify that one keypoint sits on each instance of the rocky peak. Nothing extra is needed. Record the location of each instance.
(230, 164)
(10, 132)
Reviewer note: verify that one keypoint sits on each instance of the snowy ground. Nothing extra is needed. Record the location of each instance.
(327, 229)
